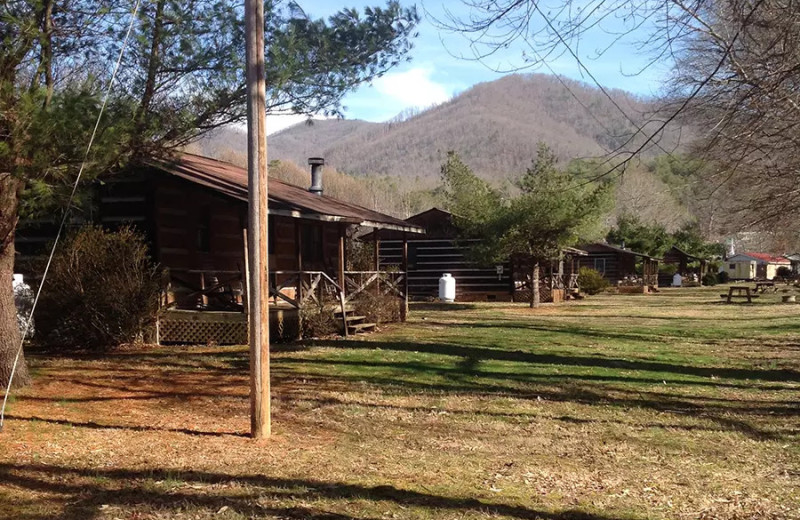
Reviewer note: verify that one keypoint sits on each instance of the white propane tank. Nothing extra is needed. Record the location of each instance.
(447, 288)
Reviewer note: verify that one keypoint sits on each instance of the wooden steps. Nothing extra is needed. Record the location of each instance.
(355, 323)
(357, 328)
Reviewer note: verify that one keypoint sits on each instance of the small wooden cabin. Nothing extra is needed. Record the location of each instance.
(681, 260)
(193, 211)
(619, 266)
(440, 251)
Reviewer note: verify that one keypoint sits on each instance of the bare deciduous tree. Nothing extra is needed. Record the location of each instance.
(736, 75)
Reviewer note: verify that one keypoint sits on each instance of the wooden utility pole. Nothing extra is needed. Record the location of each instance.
(257, 221)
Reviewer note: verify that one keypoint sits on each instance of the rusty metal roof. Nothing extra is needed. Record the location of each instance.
(284, 199)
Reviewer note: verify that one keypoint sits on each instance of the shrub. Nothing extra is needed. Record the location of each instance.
(591, 281)
(378, 308)
(319, 321)
(710, 279)
(102, 291)
(723, 277)
(668, 269)
(783, 272)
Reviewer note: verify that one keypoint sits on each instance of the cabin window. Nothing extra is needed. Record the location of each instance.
(600, 265)
(204, 230)
(732, 266)
(312, 243)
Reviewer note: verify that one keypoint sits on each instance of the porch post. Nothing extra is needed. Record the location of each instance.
(298, 253)
(342, 282)
(572, 270)
(376, 246)
(404, 305)
(376, 251)
(341, 258)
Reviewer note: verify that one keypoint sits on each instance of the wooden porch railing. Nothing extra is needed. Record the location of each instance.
(308, 286)
(220, 290)
(383, 282)
(565, 281)
(223, 290)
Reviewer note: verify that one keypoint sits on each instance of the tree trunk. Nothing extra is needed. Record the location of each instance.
(535, 299)
(9, 328)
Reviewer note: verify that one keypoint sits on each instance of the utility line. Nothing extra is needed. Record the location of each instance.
(66, 210)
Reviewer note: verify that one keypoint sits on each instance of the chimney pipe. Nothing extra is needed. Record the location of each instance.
(316, 164)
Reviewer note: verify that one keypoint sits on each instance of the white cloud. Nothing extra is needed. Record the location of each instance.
(412, 88)
(276, 123)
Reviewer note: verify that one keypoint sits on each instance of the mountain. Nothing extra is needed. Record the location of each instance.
(494, 126)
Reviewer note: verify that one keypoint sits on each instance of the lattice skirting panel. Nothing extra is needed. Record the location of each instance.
(192, 327)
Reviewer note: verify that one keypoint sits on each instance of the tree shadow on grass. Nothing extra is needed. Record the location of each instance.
(497, 354)
(87, 492)
(318, 402)
(465, 377)
(128, 427)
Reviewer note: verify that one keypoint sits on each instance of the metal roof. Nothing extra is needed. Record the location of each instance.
(763, 257)
(284, 199)
(599, 247)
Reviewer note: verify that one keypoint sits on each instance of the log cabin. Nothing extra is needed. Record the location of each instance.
(193, 213)
(440, 250)
(685, 264)
(619, 266)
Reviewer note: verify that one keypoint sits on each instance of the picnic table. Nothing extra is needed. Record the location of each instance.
(739, 291)
(764, 285)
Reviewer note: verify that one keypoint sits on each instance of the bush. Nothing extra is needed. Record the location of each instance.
(783, 272)
(378, 308)
(319, 321)
(591, 281)
(668, 269)
(101, 291)
(710, 279)
(723, 277)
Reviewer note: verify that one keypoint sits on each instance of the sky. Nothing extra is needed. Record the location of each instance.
(440, 67)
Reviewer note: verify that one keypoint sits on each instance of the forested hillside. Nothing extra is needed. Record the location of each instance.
(495, 127)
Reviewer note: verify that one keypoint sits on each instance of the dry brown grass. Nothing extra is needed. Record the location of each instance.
(618, 407)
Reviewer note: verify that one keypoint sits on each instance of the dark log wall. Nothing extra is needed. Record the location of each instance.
(190, 228)
(197, 229)
(615, 265)
(428, 259)
(438, 252)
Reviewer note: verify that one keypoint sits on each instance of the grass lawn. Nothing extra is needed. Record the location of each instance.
(618, 407)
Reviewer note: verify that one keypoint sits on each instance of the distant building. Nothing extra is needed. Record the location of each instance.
(685, 264)
(440, 251)
(620, 266)
(795, 261)
(754, 266)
